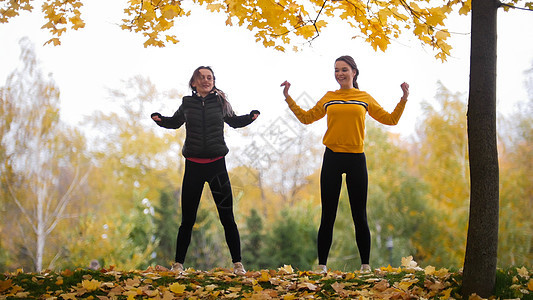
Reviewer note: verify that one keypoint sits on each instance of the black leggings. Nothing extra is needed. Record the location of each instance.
(216, 174)
(333, 166)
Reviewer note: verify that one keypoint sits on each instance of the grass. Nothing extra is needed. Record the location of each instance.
(284, 283)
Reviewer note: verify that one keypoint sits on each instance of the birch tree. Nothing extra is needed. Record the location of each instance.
(38, 152)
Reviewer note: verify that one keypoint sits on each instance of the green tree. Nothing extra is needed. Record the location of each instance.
(208, 248)
(123, 240)
(291, 239)
(166, 222)
(252, 241)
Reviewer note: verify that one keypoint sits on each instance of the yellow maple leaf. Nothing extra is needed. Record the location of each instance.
(286, 269)
(289, 296)
(523, 272)
(59, 280)
(257, 288)
(467, 7)
(90, 285)
(22, 294)
(215, 294)
(167, 295)
(68, 296)
(442, 35)
(389, 268)
(5, 284)
(442, 56)
(172, 39)
(381, 286)
(306, 31)
(530, 285)
(429, 270)
(177, 288)
(54, 41)
(474, 297)
(132, 281)
(436, 16)
(308, 285)
(131, 294)
(265, 276)
(77, 22)
(215, 7)
(350, 275)
(446, 294)
(404, 285)
(170, 11)
(408, 262)
(234, 289)
(338, 287)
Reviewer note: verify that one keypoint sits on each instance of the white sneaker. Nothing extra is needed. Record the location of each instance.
(365, 268)
(238, 269)
(177, 267)
(321, 269)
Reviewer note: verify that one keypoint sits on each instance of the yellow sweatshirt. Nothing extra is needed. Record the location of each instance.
(346, 110)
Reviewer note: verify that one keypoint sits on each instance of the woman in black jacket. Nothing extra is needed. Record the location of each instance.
(204, 114)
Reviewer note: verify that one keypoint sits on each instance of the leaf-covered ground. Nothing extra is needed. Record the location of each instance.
(406, 282)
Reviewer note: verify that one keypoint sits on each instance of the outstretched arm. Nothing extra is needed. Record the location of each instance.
(173, 122)
(241, 121)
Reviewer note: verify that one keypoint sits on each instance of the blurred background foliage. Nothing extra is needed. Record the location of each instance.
(109, 189)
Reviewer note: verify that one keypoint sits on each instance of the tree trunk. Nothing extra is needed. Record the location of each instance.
(479, 273)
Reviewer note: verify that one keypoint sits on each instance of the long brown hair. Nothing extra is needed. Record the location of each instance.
(350, 61)
(226, 107)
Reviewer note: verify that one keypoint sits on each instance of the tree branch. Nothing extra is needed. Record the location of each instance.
(22, 209)
(511, 6)
(67, 198)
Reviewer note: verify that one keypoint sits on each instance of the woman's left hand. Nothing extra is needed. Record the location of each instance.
(254, 114)
(405, 89)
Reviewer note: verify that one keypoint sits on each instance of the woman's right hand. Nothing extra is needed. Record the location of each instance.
(156, 117)
(286, 86)
(405, 90)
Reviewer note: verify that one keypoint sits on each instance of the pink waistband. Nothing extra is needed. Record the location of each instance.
(204, 160)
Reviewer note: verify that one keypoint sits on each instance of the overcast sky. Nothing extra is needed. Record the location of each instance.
(101, 55)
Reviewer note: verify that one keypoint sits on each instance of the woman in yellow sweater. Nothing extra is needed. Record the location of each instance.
(346, 110)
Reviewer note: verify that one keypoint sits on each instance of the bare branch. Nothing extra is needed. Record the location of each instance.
(515, 7)
(22, 209)
(75, 184)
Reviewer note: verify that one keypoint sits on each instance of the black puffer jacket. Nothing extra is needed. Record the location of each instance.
(204, 124)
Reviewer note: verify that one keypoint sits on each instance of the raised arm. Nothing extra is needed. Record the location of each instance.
(405, 90)
(173, 122)
(381, 115)
(305, 116)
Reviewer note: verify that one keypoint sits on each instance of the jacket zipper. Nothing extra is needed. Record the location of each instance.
(203, 125)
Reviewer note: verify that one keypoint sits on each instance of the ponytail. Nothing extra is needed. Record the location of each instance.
(227, 110)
